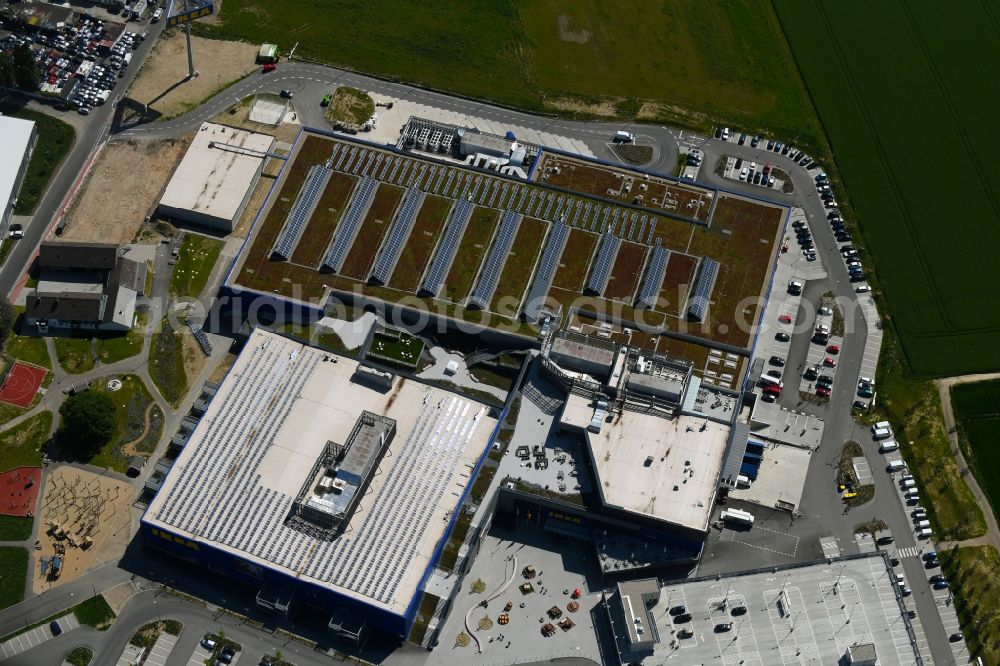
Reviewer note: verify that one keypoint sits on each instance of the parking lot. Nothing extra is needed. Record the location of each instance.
(80, 58)
(35, 636)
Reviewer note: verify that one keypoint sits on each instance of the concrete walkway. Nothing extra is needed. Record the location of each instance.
(992, 536)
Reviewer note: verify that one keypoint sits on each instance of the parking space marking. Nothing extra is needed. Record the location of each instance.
(771, 550)
(864, 472)
(788, 607)
(199, 656)
(890, 611)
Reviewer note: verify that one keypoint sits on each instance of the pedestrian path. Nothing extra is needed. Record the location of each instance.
(912, 551)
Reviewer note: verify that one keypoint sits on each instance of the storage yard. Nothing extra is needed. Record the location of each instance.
(399, 231)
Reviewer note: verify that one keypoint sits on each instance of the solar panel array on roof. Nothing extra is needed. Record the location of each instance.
(349, 225)
(547, 267)
(701, 294)
(398, 235)
(490, 274)
(601, 272)
(301, 211)
(445, 254)
(655, 273)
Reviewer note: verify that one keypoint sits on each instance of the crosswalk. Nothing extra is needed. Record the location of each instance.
(912, 551)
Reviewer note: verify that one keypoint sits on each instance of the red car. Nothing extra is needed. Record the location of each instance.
(833, 349)
(823, 391)
(269, 67)
(785, 319)
(830, 362)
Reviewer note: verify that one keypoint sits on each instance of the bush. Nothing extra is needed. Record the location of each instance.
(88, 421)
(80, 656)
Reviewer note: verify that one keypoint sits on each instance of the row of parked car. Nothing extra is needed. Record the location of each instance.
(804, 237)
(796, 155)
(101, 81)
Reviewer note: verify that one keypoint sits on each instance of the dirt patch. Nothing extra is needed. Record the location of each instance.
(139, 170)
(194, 358)
(576, 36)
(82, 503)
(221, 370)
(163, 84)
(604, 108)
(253, 206)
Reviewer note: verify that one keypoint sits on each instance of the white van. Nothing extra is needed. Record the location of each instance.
(924, 533)
(771, 381)
(907, 483)
(887, 446)
(881, 424)
(621, 136)
(896, 465)
(923, 524)
(913, 495)
(881, 433)
(743, 481)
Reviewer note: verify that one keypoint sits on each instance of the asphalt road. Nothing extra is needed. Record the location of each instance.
(309, 83)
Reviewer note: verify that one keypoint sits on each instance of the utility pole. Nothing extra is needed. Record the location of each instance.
(192, 72)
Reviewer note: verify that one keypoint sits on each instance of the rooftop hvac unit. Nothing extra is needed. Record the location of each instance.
(338, 486)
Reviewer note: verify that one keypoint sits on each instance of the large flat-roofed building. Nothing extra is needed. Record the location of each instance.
(842, 611)
(663, 468)
(214, 181)
(306, 476)
(19, 137)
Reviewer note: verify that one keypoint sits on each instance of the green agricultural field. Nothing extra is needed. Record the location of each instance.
(932, 224)
(691, 62)
(977, 412)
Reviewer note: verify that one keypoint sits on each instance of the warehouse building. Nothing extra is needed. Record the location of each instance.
(215, 180)
(19, 143)
(320, 487)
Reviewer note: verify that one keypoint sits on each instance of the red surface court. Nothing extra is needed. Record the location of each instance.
(19, 489)
(21, 384)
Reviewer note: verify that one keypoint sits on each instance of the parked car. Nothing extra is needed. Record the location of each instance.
(833, 349)
(287, 94)
(782, 337)
(269, 67)
(55, 628)
(956, 637)
(754, 141)
(941, 585)
(774, 373)
(685, 633)
(823, 391)
(16, 230)
(777, 360)
(723, 627)
(830, 362)
(785, 319)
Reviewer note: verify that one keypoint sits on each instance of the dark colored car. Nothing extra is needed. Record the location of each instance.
(798, 224)
(770, 145)
(810, 374)
(884, 540)
(738, 610)
(754, 141)
(774, 373)
(894, 561)
(55, 628)
(930, 555)
(685, 633)
(683, 618)
(937, 578)
(956, 637)
(723, 627)
(941, 585)
(860, 404)
(678, 610)
(778, 361)
(287, 94)
(782, 337)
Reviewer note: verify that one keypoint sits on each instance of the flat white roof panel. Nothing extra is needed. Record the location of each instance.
(236, 480)
(16, 135)
(213, 180)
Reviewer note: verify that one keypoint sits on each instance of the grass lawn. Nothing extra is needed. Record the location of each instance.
(689, 61)
(131, 401)
(94, 612)
(946, 315)
(913, 406)
(30, 350)
(21, 445)
(198, 255)
(977, 413)
(75, 354)
(518, 267)
(111, 349)
(404, 350)
(972, 573)
(419, 247)
(14, 564)
(471, 251)
(55, 138)
(166, 363)
(15, 528)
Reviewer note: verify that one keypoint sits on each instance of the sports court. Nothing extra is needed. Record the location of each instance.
(19, 490)
(21, 384)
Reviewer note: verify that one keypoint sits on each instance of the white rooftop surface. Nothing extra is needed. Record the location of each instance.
(782, 477)
(234, 484)
(825, 608)
(16, 135)
(214, 181)
(687, 452)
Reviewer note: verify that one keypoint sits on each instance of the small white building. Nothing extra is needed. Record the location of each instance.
(215, 180)
(19, 137)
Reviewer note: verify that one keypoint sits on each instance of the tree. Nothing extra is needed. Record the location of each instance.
(88, 421)
(26, 75)
(6, 70)
(7, 317)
